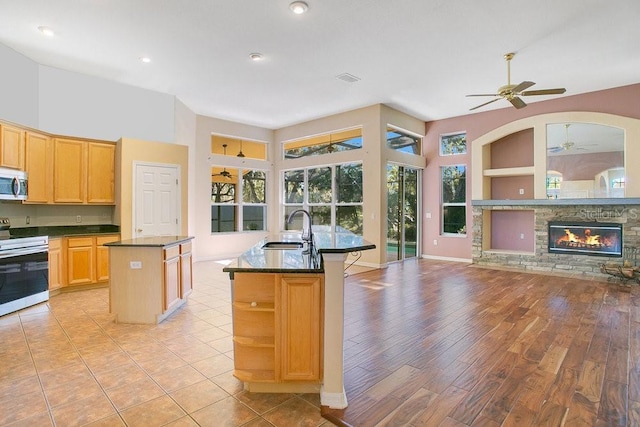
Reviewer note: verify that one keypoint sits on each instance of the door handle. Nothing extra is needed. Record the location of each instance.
(138, 230)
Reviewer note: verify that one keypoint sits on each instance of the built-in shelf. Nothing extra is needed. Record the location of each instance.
(254, 375)
(255, 341)
(520, 171)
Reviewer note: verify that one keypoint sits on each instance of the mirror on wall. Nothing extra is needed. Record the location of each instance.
(584, 160)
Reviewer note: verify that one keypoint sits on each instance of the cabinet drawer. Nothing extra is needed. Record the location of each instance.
(185, 248)
(76, 242)
(101, 240)
(171, 252)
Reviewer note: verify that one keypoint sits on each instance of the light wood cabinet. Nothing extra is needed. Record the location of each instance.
(101, 173)
(102, 256)
(55, 264)
(300, 316)
(39, 167)
(69, 171)
(83, 172)
(186, 270)
(277, 327)
(11, 147)
(87, 259)
(171, 274)
(80, 260)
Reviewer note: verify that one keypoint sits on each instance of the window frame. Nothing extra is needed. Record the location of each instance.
(333, 205)
(452, 135)
(239, 203)
(462, 232)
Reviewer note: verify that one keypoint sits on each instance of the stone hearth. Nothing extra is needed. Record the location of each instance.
(539, 259)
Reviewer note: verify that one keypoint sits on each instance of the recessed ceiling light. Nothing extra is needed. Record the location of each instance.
(299, 7)
(256, 56)
(46, 31)
(145, 59)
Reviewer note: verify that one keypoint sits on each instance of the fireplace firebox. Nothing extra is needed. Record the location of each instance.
(585, 238)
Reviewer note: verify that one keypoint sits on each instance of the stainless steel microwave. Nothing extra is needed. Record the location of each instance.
(13, 184)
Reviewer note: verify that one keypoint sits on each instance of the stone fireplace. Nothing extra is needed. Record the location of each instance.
(585, 238)
(607, 218)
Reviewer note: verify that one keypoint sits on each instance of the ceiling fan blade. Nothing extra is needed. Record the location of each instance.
(484, 94)
(557, 91)
(555, 149)
(522, 86)
(482, 105)
(517, 102)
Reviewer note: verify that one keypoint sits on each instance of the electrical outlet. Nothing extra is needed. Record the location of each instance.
(521, 235)
(135, 265)
(521, 191)
(435, 242)
(27, 220)
(78, 218)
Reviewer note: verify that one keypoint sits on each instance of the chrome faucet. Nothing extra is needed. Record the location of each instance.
(307, 235)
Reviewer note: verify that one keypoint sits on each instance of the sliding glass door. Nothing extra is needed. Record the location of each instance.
(402, 212)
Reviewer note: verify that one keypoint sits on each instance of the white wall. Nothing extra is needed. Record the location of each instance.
(18, 88)
(79, 105)
(185, 134)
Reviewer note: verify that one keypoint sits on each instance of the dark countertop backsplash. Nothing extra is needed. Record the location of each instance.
(64, 230)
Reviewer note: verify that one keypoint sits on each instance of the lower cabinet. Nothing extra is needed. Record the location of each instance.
(87, 259)
(277, 327)
(55, 263)
(171, 271)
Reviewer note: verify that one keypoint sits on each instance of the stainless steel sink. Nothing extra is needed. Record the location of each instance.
(282, 245)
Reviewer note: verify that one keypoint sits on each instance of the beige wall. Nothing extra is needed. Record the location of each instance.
(129, 151)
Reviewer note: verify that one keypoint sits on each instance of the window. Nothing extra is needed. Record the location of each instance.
(451, 144)
(554, 183)
(229, 211)
(402, 141)
(454, 215)
(324, 144)
(332, 194)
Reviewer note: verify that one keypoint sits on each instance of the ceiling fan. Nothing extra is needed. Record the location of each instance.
(225, 173)
(567, 144)
(512, 93)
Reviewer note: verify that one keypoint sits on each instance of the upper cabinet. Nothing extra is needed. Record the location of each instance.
(11, 147)
(101, 173)
(39, 167)
(83, 172)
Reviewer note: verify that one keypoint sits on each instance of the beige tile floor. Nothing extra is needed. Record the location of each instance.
(66, 363)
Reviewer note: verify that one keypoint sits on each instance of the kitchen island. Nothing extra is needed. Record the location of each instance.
(288, 314)
(150, 277)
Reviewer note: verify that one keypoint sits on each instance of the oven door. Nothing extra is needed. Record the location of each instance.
(24, 279)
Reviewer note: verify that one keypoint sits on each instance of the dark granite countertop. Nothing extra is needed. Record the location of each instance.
(65, 230)
(151, 241)
(260, 260)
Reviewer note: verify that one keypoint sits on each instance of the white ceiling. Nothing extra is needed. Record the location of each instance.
(418, 56)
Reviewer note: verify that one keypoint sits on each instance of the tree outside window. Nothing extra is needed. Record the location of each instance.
(238, 203)
(452, 144)
(332, 194)
(454, 215)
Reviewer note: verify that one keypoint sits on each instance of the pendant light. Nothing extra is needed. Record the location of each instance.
(240, 154)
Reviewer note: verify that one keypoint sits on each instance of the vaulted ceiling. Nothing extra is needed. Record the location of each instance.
(418, 56)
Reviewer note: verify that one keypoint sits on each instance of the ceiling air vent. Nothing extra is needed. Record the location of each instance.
(346, 77)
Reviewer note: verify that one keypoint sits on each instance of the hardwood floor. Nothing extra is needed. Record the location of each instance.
(447, 344)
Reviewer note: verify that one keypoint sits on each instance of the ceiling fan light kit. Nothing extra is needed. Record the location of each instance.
(512, 93)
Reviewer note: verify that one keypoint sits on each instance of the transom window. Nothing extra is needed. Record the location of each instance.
(332, 194)
(403, 141)
(324, 144)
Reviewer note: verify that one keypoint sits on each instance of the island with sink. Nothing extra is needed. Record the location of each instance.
(288, 313)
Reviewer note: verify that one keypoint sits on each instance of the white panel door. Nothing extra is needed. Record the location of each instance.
(156, 201)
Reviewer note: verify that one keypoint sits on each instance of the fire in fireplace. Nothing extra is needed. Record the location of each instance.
(586, 238)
